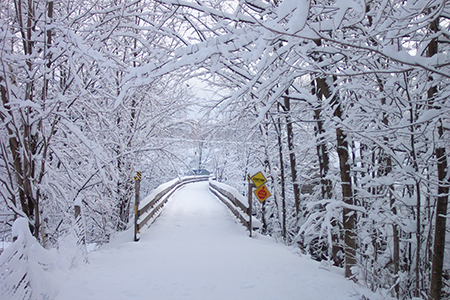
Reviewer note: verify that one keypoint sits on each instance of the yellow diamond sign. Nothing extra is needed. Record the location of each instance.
(259, 179)
(262, 193)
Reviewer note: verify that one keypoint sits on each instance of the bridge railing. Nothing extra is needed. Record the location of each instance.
(235, 202)
(151, 206)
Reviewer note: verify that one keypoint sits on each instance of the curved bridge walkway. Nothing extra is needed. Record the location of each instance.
(197, 250)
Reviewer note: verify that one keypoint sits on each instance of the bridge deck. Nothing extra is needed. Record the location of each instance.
(197, 250)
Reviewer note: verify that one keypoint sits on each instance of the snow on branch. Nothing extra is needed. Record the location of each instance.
(200, 6)
(25, 267)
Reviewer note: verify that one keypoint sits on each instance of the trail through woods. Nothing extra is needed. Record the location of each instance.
(197, 250)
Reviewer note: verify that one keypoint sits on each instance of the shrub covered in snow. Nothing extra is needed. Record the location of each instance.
(26, 269)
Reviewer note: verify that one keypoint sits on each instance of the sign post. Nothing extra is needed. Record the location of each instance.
(137, 186)
(262, 192)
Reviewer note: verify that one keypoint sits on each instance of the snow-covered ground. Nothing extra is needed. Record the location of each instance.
(197, 250)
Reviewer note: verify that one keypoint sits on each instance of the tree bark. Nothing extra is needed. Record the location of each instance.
(443, 189)
(347, 195)
(387, 161)
(283, 188)
(320, 89)
(290, 139)
(441, 212)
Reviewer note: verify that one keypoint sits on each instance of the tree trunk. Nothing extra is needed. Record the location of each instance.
(441, 212)
(290, 139)
(267, 164)
(23, 128)
(349, 215)
(443, 189)
(283, 188)
(347, 195)
(320, 89)
(387, 162)
(418, 210)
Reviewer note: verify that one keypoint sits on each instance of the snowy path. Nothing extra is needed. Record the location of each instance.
(196, 250)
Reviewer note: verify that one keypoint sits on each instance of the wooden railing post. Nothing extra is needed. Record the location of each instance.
(137, 187)
(77, 210)
(249, 212)
(80, 229)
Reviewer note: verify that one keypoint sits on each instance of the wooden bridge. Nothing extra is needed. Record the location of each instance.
(148, 210)
(196, 249)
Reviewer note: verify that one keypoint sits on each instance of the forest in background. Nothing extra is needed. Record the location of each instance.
(345, 104)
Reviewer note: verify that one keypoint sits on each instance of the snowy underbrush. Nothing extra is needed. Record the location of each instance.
(30, 272)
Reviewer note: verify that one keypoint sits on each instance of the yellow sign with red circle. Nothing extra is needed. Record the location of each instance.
(262, 193)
